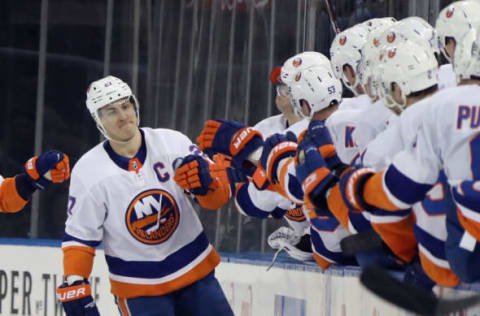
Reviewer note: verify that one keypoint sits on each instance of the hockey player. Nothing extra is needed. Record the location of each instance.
(453, 22)
(261, 203)
(123, 193)
(316, 94)
(353, 127)
(446, 139)
(39, 172)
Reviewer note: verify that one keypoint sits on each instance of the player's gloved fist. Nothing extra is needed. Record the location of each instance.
(192, 173)
(77, 299)
(351, 186)
(276, 148)
(51, 166)
(230, 138)
(311, 170)
(321, 137)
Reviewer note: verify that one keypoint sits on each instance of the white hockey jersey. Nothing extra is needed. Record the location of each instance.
(252, 202)
(278, 124)
(153, 239)
(445, 140)
(271, 125)
(352, 129)
(446, 77)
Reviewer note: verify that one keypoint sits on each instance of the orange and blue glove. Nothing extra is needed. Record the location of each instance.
(312, 171)
(230, 138)
(192, 173)
(77, 299)
(51, 166)
(320, 136)
(276, 148)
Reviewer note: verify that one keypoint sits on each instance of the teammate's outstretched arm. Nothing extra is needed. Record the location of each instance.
(356, 188)
(39, 172)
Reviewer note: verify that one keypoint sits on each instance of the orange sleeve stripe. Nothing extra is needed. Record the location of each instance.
(440, 275)
(78, 260)
(324, 264)
(399, 237)
(128, 290)
(10, 200)
(471, 226)
(337, 206)
(374, 194)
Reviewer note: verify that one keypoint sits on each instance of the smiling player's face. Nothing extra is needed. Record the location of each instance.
(120, 120)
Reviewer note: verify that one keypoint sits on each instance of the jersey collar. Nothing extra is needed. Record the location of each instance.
(128, 164)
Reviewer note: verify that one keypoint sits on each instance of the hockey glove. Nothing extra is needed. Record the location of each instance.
(193, 174)
(321, 138)
(284, 238)
(276, 148)
(311, 170)
(77, 299)
(230, 138)
(351, 186)
(221, 169)
(51, 166)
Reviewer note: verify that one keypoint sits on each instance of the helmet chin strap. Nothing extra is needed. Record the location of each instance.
(105, 134)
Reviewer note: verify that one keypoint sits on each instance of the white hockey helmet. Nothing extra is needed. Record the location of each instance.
(346, 50)
(318, 87)
(368, 73)
(374, 23)
(105, 91)
(300, 62)
(414, 29)
(411, 66)
(455, 21)
(466, 63)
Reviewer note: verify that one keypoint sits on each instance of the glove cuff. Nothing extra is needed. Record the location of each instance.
(76, 291)
(315, 188)
(351, 186)
(243, 139)
(30, 168)
(255, 142)
(279, 152)
(24, 186)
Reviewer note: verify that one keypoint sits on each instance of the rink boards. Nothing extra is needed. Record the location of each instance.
(30, 271)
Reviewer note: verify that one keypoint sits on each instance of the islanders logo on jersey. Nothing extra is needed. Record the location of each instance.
(152, 216)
